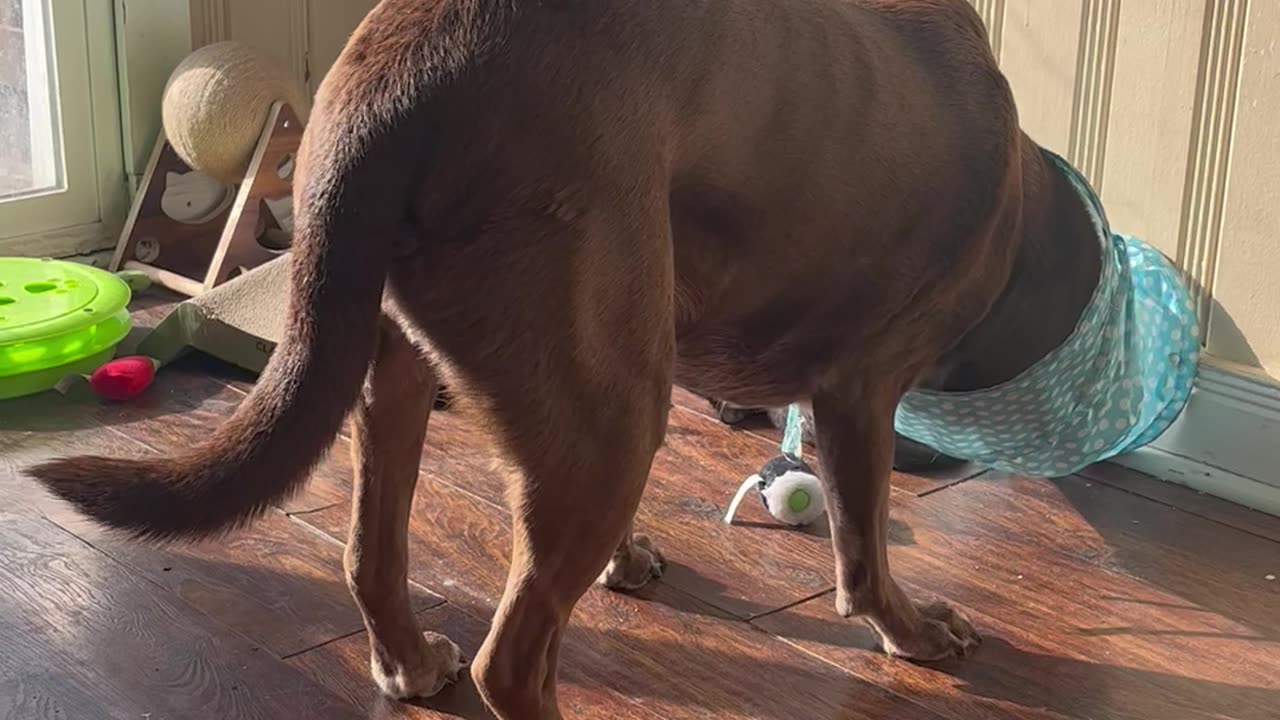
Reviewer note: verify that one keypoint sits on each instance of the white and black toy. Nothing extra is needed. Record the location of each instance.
(788, 487)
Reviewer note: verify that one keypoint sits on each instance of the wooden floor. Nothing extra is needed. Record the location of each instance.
(1101, 596)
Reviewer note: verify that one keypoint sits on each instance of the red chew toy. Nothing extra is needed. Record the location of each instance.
(123, 378)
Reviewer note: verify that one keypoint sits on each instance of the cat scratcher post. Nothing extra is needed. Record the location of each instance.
(193, 258)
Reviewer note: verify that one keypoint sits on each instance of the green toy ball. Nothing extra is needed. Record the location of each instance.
(56, 318)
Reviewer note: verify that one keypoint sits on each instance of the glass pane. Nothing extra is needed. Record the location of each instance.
(30, 146)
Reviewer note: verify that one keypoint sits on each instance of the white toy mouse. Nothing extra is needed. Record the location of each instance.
(789, 488)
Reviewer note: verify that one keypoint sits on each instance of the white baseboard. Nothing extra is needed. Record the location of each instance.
(1226, 443)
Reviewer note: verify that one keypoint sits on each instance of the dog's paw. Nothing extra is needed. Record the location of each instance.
(634, 569)
(440, 665)
(945, 633)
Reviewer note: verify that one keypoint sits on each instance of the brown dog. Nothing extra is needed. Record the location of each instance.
(563, 206)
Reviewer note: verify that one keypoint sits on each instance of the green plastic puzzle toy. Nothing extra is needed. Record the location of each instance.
(56, 318)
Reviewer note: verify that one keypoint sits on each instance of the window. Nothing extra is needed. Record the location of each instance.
(59, 125)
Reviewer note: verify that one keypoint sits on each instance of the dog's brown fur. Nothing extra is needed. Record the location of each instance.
(565, 205)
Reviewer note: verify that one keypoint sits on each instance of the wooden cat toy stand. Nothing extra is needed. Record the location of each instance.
(193, 258)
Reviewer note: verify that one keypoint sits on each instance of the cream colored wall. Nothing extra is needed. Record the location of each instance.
(306, 35)
(1169, 106)
(151, 43)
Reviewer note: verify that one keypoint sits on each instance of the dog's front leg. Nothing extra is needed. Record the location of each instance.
(855, 441)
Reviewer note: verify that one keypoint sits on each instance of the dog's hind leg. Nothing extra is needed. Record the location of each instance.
(390, 421)
(571, 355)
(854, 424)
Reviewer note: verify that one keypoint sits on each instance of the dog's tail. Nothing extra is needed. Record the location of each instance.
(351, 205)
(266, 449)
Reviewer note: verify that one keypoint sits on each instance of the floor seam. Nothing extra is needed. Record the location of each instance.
(308, 511)
(960, 481)
(788, 606)
(315, 530)
(441, 600)
(878, 684)
(317, 646)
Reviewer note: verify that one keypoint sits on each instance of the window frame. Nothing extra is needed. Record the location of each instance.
(84, 214)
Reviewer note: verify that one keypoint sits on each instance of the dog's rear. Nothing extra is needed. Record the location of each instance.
(353, 202)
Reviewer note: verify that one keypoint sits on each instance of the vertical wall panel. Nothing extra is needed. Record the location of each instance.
(1095, 70)
(1040, 50)
(209, 22)
(331, 23)
(992, 12)
(1245, 306)
(1213, 144)
(1152, 101)
(278, 27)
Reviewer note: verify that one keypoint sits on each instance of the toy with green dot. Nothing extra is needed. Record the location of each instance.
(61, 320)
(788, 487)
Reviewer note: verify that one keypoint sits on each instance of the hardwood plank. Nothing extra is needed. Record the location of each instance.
(751, 568)
(755, 566)
(459, 548)
(30, 698)
(38, 432)
(1096, 602)
(1217, 568)
(83, 638)
(1043, 671)
(189, 399)
(343, 667)
(1184, 498)
(1080, 621)
(459, 544)
(684, 659)
(205, 403)
(658, 654)
(330, 483)
(150, 306)
(675, 511)
(1214, 567)
(186, 402)
(278, 582)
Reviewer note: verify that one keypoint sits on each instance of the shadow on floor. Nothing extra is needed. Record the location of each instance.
(690, 673)
(1034, 680)
(181, 388)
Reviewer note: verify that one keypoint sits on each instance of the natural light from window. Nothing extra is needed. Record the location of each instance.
(30, 147)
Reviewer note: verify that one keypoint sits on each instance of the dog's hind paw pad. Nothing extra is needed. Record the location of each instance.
(634, 569)
(945, 633)
(440, 666)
